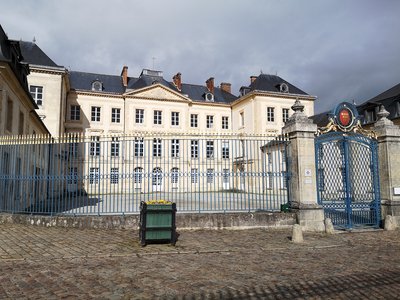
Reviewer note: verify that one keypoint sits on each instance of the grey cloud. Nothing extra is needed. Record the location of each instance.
(331, 49)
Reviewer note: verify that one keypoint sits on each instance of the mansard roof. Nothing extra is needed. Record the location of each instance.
(83, 81)
(388, 99)
(35, 56)
(113, 84)
(272, 83)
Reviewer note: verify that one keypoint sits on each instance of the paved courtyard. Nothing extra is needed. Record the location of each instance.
(54, 263)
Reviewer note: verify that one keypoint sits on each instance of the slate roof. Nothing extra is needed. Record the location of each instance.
(388, 99)
(3, 45)
(113, 84)
(271, 83)
(35, 56)
(83, 81)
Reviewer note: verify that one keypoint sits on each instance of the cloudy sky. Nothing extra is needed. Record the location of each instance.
(336, 50)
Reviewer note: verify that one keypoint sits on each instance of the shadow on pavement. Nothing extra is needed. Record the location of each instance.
(383, 285)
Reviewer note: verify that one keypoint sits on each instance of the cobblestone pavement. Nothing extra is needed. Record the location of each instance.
(54, 263)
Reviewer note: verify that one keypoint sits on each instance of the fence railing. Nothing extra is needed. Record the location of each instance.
(78, 174)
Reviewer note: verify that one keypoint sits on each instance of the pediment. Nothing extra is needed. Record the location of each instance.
(157, 92)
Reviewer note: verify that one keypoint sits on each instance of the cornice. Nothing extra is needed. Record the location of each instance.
(96, 94)
(212, 104)
(256, 93)
(47, 70)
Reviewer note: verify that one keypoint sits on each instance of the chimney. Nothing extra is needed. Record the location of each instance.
(252, 78)
(124, 75)
(226, 87)
(178, 81)
(210, 85)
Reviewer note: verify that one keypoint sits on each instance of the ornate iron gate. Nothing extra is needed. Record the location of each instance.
(347, 178)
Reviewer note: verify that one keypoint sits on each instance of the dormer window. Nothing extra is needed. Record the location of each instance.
(370, 115)
(244, 90)
(97, 86)
(398, 108)
(209, 97)
(284, 88)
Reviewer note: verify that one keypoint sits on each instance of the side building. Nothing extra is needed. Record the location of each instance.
(19, 124)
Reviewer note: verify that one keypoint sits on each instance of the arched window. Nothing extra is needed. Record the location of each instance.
(157, 177)
(97, 85)
(284, 88)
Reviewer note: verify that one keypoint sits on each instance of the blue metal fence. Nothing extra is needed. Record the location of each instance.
(100, 175)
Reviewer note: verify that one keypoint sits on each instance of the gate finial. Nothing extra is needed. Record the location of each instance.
(297, 106)
(383, 113)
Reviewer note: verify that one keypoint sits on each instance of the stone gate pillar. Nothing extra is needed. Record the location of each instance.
(301, 153)
(389, 165)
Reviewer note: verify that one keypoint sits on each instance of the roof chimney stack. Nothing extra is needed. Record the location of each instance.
(178, 81)
(226, 87)
(124, 75)
(210, 84)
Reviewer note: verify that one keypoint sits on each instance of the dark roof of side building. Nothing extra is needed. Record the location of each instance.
(10, 53)
(272, 83)
(35, 56)
(388, 99)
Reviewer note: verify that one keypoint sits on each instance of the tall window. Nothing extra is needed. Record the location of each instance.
(139, 116)
(94, 175)
(157, 147)
(75, 113)
(193, 120)
(174, 175)
(37, 94)
(114, 176)
(225, 175)
(210, 175)
(73, 150)
(241, 117)
(210, 149)
(9, 114)
(73, 175)
(175, 118)
(114, 146)
(270, 114)
(285, 114)
(95, 114)
(225, 122)
(157, 117)
(195, 175)
(115, 115)
(138, 175)
(138, 147)
(21, 123)
(174, 148)
(194, 148)
(95, 146)
(210, 121)
(225, 149)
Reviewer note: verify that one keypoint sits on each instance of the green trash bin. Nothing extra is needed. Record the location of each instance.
(157, 222)
(285, 207)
